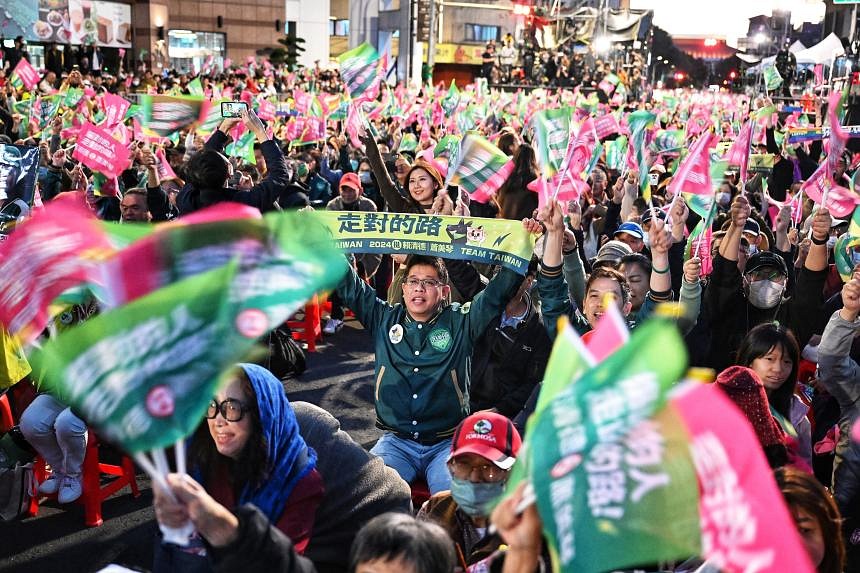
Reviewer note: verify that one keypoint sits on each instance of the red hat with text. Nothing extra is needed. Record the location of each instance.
(489, 435)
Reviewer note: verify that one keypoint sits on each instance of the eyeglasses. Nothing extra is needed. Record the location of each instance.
(231, 410)
(766, 275)
(488, 472)
(413, 283)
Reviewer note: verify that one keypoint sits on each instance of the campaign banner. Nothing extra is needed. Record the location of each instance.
(760, 163)
(492, 241)
(100, 152)
(801, 134)
(164, 115)
(19, 166)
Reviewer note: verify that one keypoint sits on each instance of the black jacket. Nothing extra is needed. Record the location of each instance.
(259, 548)
(508, 362)
(275, 188)
(732, 316)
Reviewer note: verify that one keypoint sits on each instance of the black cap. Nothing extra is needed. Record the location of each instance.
(753, 227)
(764, 259)
(648, 215)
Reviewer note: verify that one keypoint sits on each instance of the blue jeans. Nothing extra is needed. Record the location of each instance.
(412, 460)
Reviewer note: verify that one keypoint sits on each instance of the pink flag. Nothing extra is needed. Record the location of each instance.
(227, 63)
(739, 152)
(745, 524)
(609, 334)
(606, 125)
(165, 171)
(354, 124)
(840, 200)
(694, 172)
(27, 73)
(57, 247)
(818, 71)
(266, 109)
(115, 108)
(838, 135)
(100, 152)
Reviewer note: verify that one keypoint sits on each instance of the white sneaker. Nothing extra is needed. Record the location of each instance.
(70, 489)
(332, 325)
(51, 485)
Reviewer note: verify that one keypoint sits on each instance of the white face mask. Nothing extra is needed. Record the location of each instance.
(753, 250)
(765, 294)
(831, 242)
(646, 238)
(724, 199)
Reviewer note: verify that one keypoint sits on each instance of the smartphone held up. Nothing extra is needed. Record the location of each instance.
(231, 109)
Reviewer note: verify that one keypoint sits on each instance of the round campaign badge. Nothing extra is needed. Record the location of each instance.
(440, 339)
(395, 334)
(160, 402)
(252, 323)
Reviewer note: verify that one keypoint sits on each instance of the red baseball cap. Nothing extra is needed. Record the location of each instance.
(489, 435)
(350, 180)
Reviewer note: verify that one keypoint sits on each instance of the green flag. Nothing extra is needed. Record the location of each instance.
(358, 68)
(452, 99)
(601, 489)
(551, 129)
(615, 151)
(243, 148)
(772, 79)
(143, 374)
(195, 88)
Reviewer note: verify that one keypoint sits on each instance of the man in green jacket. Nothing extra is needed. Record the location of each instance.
(423, 362)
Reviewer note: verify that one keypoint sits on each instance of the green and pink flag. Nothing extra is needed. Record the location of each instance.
(480, 168)
(551, 129)
(56, 249)
(164, 115)
(142, 374)
(24, 75)
(624, 475)
(359, 70)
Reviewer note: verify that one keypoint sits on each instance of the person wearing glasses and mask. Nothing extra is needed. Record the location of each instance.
(423, 362)
(736, 299)
(483, 450)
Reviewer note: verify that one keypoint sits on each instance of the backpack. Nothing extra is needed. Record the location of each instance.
(17, 488)
(17, 482)
(285, 358)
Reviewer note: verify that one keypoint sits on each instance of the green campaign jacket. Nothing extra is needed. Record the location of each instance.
(423, 368)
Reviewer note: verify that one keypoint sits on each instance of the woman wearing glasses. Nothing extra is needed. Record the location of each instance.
(250, 451)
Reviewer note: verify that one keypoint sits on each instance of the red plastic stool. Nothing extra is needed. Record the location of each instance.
(308, 329)
(420, 493)
(6, 419)
(93, 492)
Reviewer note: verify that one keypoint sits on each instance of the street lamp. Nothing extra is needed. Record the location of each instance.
(602, 44)
(760, 38)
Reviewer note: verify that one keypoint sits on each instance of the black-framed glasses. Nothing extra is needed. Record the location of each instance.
(413, 283)
(488, 472)
(231, 410)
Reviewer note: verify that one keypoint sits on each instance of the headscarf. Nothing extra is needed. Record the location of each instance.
(289, 457)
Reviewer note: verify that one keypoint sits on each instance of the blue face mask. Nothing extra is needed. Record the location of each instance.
(354, 163)
(476, 499)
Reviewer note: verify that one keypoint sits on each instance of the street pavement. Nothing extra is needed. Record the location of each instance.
(339, 379)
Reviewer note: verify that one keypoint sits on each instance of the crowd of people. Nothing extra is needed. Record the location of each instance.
(461, 348)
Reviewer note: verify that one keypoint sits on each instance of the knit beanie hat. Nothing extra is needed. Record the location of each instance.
(744, 388)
